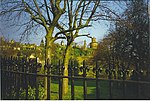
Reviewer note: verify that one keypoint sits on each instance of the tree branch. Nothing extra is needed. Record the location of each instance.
(93, 11)
(72, 29)
(87, 35)
(70, 13)
(48, 15)
(76, 14)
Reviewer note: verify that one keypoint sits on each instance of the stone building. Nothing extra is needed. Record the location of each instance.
(42, 43)
(62, 43)
(94, 43)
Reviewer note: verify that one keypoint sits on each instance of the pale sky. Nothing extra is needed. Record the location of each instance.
(98, 30)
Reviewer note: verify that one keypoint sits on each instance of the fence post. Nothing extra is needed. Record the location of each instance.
(13, 69)
(26, 76)
(36, 78)
(10, 76)
(109, 77)
(137, 79)
(1, 77)
(138, 90)
(45, 80)
(15, 75)
(7, 76)
(124, 77)
(4, 76)
(97, 82)
(60, 81)
(22, 75)
(84, 81)
(72, 80)
(18, 78)
(48, 80)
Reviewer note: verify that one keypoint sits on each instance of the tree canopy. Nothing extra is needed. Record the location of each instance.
(127, 45)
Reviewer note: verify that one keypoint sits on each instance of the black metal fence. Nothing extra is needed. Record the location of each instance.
(20, 73)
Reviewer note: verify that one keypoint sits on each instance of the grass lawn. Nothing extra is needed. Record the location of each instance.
(78, 90)
(117, 90)
(130, 91)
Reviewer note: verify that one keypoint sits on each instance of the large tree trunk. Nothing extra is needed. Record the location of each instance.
(65, 73)
(48, 54)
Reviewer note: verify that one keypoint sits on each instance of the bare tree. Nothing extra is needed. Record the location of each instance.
(35, 13)
(80, 14)
(29, 15)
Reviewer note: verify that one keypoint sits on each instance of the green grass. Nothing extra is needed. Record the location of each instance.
(78, 90)
(117, 90)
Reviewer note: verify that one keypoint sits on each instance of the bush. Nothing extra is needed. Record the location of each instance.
(32, 93)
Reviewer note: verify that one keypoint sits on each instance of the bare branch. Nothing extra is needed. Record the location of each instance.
(87, 35)
(93, 11)
(46, 6)
(82, 12)
(76, 13)
(72, 29)
(38, 9)
(70, 13)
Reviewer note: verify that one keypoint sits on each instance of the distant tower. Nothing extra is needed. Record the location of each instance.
(42, 43)
(75, 44)
(94, 43)
(2, 38)
(12, 41)
(84, 46)
(62, 43)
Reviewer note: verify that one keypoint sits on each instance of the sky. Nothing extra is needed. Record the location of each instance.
(98, 30)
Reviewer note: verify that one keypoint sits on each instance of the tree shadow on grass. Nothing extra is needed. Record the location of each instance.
(131, 91)
(103, 91)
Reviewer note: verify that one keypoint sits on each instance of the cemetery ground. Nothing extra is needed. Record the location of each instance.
(116, 90)
(18, 83)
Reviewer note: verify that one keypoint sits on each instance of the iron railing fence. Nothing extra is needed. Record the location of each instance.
(20, 73)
